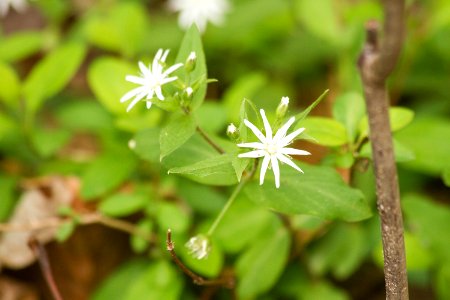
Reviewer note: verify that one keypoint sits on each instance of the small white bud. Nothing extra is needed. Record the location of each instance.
(192, 56)
(191, 62)
(132, 144)
(282, 108)
(189, 91)
(199, 246)
(231, 129)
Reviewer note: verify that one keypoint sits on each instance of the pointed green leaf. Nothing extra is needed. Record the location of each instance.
(320, 192)
(299, 117)
(401, 152)
(215, 166)
(20, 45)
(325, 131)
(261, 265)
(192, 42)
(348, 109)
(106, 173)
(52, 73)
(9, 85)
(177, 132)
(119, 205)
(106, 78)
(146, 144)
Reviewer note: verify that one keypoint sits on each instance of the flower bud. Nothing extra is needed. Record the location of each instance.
(233, 132)
(282, 108)
(191, 62)
(186, 97)
(199, 246)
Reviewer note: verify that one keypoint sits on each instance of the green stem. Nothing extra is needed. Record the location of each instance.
(233, 196)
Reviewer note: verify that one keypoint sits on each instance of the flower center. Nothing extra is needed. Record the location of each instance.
(271, 148)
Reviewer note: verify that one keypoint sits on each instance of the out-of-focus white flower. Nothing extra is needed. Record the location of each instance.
(150, 81)
(199, 12)
(273, 148)
(18, 5)
(199, 246)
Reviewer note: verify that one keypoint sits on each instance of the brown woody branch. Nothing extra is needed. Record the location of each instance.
(376, 62)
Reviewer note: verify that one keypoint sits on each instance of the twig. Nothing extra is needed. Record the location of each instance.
(85, 219)
(44, 263)
(197, 279)
(209, 140)
(376, 62)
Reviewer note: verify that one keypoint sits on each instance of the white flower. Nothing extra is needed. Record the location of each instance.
(199, 12)
(150, 81)
(199, 246)
(231, 129)
(18, 5)
(273, 148)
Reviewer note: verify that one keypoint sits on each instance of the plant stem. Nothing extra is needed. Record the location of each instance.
(209, 140)
(376, 63)
(226, 207)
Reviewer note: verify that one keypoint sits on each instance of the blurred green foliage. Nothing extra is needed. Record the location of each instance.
(62, 83)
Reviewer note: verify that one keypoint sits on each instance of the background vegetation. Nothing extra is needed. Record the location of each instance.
(63, 131)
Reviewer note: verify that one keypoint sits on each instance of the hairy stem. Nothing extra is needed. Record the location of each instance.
(376, 62)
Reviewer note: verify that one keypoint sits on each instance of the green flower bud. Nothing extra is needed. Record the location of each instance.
(282, 108)
(191, 62)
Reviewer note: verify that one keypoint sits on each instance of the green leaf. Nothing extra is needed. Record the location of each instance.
(428, 139)
(244, 87)
(341, 251)
(430, 222)
(7, 185)
(299, 117)
(48, 141)
(320, 18)
(446, 176)
(84, 115)
(138, 243)
(51, 74)
(348, 109)
(218, 166)
(158, 281)
(442, 280)
(239, 164)
(119, 282)
(195, 151)
(320, 192)
(190, 191)
(325, 131)
(107, 30)
(401, 152)
(322, 290)
(106, 173)
(9, 85)
(399, 117)
(65, 231)
(147, 144)
(119, 205)
(253, 220)
(177, 132)
(210, 117)
(171, 216)
(106, 77)
(20, 45)
(261, 265)
(209, 266)
(192, 42)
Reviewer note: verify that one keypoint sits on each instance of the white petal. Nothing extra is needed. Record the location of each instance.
(255, 130)
(135, 79)
(276, 170)
(264, 166)
(253, 154)
(290, 137)
(144, 70)
(171, 69)
(252, 145)
(169, 79)
(289, 162)
(281, 133)
(293, 151)
(132, 93)
(266, 125)
(159, 93)
(148, 104)
(164, 56)
(135, 100)
(156, 64)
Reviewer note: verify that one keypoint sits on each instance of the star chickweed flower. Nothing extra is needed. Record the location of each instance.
(151, 80)
(18, 5)
(199, 246)
(273, 148)
(199, 12)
